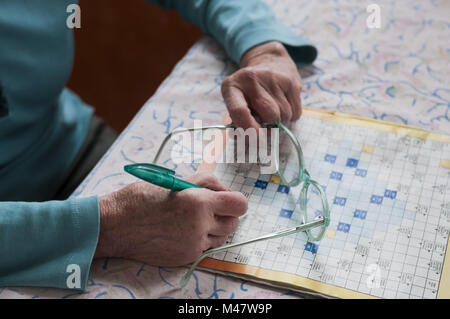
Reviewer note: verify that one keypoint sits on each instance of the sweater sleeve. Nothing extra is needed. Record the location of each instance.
(240, 25)
(48, 244)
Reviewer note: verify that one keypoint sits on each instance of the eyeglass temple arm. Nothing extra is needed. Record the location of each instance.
(303, 174)
(319, 221)
(184, 130)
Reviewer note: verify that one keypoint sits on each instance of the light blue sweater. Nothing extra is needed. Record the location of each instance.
(43, 125)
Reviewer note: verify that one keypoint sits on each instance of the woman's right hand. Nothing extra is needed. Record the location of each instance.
(164, 228)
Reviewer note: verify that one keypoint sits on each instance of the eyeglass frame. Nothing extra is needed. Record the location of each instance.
(303, 176)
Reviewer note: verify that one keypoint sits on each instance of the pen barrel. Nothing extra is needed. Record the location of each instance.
(161, 179)
(179, 185)
(171, 182)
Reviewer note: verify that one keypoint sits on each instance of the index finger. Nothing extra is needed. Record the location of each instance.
(238, 107)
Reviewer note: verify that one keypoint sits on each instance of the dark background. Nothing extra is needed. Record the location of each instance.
(124, 50)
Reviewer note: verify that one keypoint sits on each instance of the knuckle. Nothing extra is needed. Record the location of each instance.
(201, 204)
(227, 81)
(250, 73)
(272, 76)
(194, 203)
(198, 231)
(286, 116)
(209, 179)
(260, 101)
(236, 201)
(297, 86)
(239, 113)
(199, 177)
(226, 84)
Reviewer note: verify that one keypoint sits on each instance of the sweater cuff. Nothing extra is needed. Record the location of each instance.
(86, 217)
(300, 49)
(48, 244)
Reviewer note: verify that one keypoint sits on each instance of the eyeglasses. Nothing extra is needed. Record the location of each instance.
(314, 220)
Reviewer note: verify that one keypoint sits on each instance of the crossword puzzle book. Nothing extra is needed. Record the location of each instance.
(388, 190)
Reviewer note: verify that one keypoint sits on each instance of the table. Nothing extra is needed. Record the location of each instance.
(397, 73)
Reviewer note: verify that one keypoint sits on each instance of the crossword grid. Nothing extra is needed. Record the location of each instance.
(390, 211)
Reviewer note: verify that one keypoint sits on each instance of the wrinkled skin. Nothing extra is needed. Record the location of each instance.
(159, 227)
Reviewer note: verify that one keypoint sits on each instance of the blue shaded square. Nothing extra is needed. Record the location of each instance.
(340, 201)
(351, 162)
(361, 172)
(330, 158)
(375, 199)
(360, 214)
(286, 213)
(311, 247)
(261, 184)
(336, 175)
(283, 189)
(343, 227)
(390, 194)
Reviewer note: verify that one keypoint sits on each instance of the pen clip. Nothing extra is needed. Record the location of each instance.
(149, 167)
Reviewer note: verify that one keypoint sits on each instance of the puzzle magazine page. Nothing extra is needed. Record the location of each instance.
(387, 187)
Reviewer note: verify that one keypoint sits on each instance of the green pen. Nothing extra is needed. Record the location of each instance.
(159, 176)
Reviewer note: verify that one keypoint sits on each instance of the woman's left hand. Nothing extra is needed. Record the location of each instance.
(268, 85)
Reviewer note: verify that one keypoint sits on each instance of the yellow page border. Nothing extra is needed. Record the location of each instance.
(354, 120)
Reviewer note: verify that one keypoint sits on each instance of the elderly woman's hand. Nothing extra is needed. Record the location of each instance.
(268, 85)
(164, 228)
